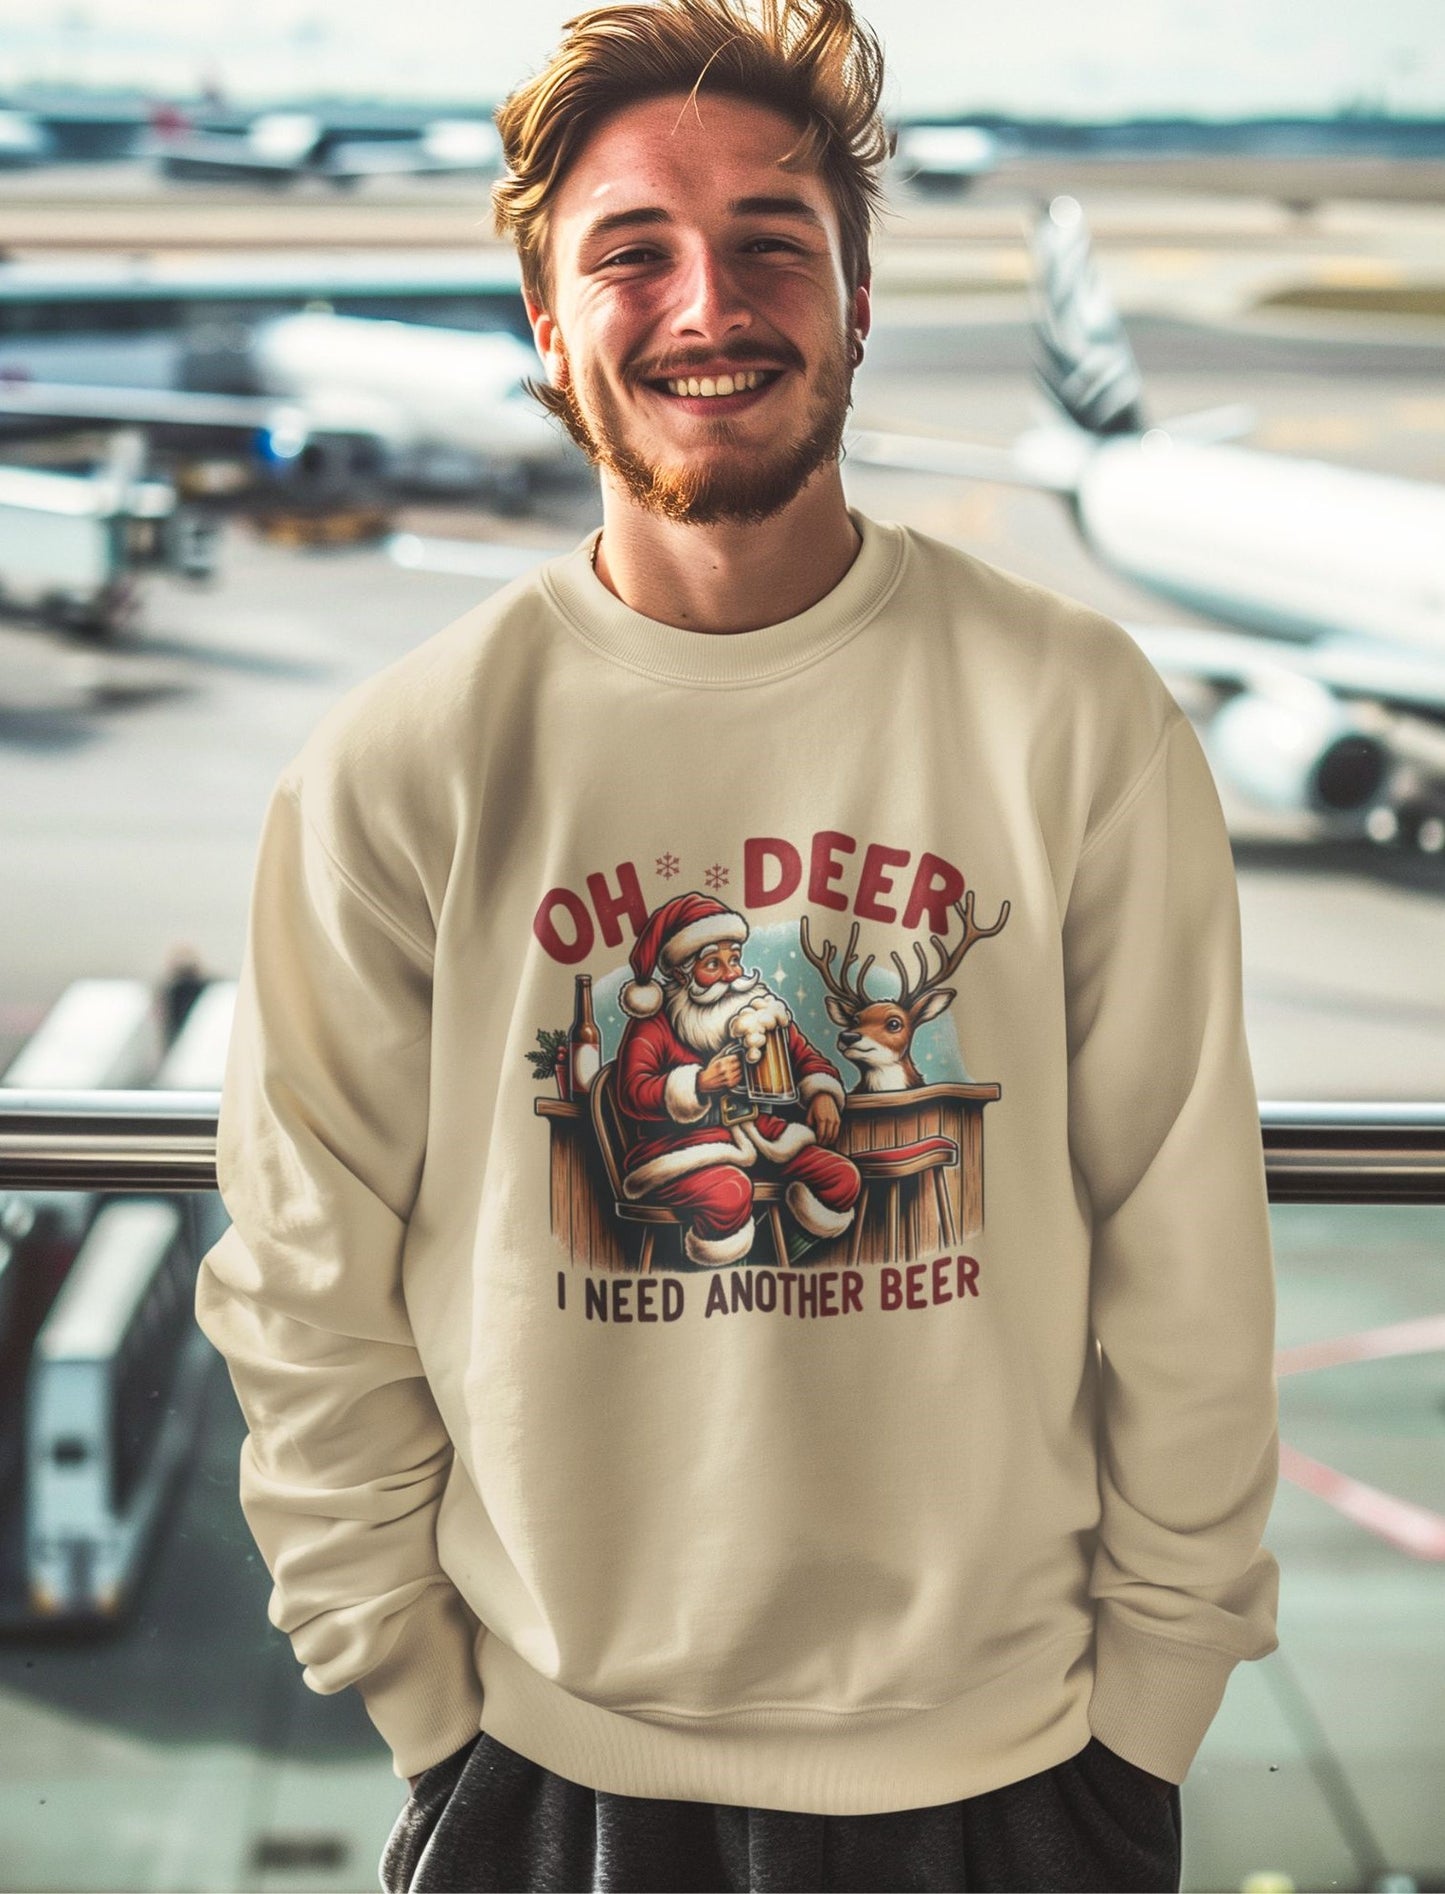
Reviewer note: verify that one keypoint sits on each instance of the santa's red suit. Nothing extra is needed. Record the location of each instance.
(677, 1151)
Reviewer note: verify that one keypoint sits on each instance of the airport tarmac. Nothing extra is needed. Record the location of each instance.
(185, 1753)
(133, 815)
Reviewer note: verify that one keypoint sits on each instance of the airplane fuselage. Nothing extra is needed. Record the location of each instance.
(1298, 547)
(411, 383)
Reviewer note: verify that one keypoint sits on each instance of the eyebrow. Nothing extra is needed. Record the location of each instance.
(740, 207)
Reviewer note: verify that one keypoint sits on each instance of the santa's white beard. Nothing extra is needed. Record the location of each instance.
(705, 1026)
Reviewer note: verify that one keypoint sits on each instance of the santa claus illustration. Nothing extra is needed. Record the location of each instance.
(690, 997)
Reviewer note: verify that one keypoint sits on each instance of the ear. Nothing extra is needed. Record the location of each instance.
(863, 306)
(548, 338)
(838, 1012)
(934, 1003)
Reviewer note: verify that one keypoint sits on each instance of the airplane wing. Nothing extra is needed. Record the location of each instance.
(166, 407)
(1399, 679)
(271, 426)
(1019, 465)
(1048, 457)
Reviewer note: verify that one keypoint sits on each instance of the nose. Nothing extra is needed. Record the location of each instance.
(709, 307)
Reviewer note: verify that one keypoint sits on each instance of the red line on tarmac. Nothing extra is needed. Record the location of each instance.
(1411, 1528)
(1420, 1336)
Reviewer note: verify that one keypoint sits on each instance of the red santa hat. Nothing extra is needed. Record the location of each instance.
(674, 933)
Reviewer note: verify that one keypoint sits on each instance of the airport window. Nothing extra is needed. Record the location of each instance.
(1166, 343)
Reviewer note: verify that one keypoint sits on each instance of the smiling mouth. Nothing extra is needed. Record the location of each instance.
(743, 381)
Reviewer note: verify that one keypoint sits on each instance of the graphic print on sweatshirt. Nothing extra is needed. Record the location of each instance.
(739, 1091)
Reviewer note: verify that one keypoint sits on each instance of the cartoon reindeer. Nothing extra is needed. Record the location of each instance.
(877, 1034)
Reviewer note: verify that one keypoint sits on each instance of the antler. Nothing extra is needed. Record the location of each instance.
(907, 993)
(854, 996)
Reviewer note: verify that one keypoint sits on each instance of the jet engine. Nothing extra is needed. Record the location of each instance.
(1294, 746)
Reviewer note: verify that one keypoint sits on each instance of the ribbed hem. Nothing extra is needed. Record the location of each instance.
(1154, 1697)
(829, 1763)
(719, 659)
(425, 1697)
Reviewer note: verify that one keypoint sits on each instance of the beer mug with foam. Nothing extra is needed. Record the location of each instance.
(767, 1080)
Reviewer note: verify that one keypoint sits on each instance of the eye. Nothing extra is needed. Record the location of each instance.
(776, 243)
(895, 1024)
(638, 251)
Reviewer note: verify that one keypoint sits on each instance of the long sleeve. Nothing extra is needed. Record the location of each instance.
(322, 1130)
(1164, 1134)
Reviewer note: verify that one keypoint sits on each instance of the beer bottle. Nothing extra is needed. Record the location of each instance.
(584, 1045)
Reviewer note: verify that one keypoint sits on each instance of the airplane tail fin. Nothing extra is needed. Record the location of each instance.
(1084, 361)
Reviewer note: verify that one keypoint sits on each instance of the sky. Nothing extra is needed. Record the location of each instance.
(1044, 57)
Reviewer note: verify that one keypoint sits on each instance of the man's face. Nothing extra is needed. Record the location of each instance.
(681, 256)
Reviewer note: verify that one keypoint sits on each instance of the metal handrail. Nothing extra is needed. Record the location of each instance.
(1314, 1151)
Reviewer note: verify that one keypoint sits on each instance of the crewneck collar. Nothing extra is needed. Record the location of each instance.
(675, 656)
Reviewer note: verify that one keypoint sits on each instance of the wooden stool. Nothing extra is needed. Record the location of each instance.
(891, 1167)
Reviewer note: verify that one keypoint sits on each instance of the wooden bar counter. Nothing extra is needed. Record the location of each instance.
(584, 1221)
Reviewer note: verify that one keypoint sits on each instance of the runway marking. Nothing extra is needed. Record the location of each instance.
(1410, 1528)
(1422, 1335)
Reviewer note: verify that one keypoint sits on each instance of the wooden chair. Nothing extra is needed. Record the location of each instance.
(607, 1128)
(926, 1156)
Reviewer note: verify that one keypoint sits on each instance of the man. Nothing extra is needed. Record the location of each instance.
(644, 1586)
(674, 1068)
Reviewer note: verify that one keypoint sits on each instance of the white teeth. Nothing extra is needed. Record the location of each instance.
(710, 385)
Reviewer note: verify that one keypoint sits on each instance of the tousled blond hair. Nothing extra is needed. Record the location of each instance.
(813, 61)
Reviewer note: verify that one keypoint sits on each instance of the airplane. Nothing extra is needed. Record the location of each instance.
(944, 158)
(280, 147)
(322, 404)
(1329, 697)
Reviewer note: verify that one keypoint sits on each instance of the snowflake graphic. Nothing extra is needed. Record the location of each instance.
(717, 876)
(667, 866)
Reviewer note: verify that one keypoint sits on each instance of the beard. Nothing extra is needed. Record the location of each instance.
(702, 1016)
(713, 487)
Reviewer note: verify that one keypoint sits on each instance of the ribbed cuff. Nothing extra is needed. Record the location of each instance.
(425, 1697)
(1154, 1698)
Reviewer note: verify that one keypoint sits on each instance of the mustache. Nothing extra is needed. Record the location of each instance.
(740, 354)
(721, 989)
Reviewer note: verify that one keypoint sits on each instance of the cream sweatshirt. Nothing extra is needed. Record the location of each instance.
(851, 1439)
